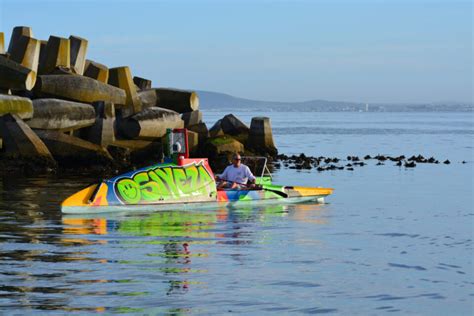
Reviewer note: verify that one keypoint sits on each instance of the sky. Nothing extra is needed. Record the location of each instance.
(365, 51)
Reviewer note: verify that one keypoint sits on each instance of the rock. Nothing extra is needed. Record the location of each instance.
(22, 107)
(78, 54)
(216, 129)
(181, 101)
(121, 77)
(61, 115)
(70, 150)
(447, 162)
(399, 163)
(350, 169)
(151, 123)
(19, 140)
(102, 132)
(19, 31)
(223, 145)
(78, 88)
(202, 130)
(42, 53)
(2, 43)
(367, 157)
(15, 76)
(25, 51)
(142, 83)
(231, 125)
(96, 71)
(57, 54)
(192, 118)
(411, 164)
(260, 138)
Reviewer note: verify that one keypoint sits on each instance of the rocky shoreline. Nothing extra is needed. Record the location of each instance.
(59, 110)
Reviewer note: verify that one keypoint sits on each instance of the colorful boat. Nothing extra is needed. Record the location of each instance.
(180, 183)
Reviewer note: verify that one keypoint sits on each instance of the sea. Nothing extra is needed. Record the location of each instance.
(390, 240)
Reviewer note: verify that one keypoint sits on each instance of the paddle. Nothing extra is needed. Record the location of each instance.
(280, 193)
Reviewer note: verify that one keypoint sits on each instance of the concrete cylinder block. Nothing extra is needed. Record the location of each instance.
(26, 51)
(78, 88)
(261, 136)
(142, 83)
(22, 107)
(121, 77)
(19, 31)
(61, 115)
(15, 76)
(96, 71)
(192, 118)
(57, 54)
(151, 123)
(78, 54)
(2, 43)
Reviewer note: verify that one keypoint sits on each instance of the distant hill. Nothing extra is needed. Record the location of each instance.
(220, 101)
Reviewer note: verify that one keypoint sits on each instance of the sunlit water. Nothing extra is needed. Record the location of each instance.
(390, 239)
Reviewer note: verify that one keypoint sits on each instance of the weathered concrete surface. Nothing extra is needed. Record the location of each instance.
(193, 141)
(78, 54)
(202, 130)
(151, 123)
(17, 32)
(181, 101)
(231, 125)
(25, 51)
(142, 83)
(102, 132)
(70, 149)
(15, 76)
(223, 145)
(216, 129)
(260, 138)
(61, 115)
(192, 118)
(148, 98)
(19, 140)
(78, 88)
(42, 53)
(2, 43)
(57, 54)
(22, 107)
(96, 71)
(121, 77)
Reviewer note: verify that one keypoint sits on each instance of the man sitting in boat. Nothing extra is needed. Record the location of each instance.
(236, 175)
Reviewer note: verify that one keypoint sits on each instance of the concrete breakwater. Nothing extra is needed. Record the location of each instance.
(57, 108)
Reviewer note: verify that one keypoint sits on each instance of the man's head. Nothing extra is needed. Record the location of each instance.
(236, 160)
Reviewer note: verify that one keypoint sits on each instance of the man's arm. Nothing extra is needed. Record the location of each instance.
(224, 174)
(249, 175)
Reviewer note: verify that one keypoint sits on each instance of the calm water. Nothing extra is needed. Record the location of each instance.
(390, 239)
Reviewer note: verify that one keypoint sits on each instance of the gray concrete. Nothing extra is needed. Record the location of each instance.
(142, 83)
(231, 125)
(19, 140)
(78, 54)
(192, 118)
(260, 138)
(180, 101)
(15, 76)
(78, 88)
(22, 107)
(149, 124)
(25, 51)
(96, 71)
(121, 77)
(17, 32)
(61, 115)
(57, 54)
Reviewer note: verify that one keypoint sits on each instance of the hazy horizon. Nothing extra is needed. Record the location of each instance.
(357, 51)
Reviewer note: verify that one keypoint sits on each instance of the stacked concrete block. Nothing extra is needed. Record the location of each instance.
(78, 54)
(102, 132)
(25, 51)
(22, 107)
(19, 31)
(19, 140)
(57, 114)
(142, 83)
(2, 43)
(260, 138)
(57, 54)
(180, 101)
(121, 77)
(78, 88)
(149, 124)
(96, 71)
(15, 76)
